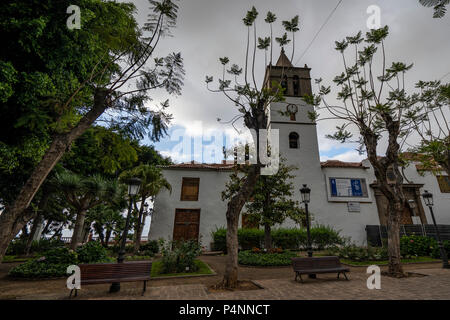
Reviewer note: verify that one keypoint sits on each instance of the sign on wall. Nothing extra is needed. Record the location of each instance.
(354, 206)
(348, 187)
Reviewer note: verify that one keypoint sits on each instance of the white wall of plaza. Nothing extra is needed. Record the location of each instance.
(325, 209)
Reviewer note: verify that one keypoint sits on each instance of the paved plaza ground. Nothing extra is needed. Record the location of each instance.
(430, 282)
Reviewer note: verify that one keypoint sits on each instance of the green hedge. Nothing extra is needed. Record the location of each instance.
(55, 261)
(250, 258)
(17, 246)
(53, 264)
(421, 246)
(321, 237)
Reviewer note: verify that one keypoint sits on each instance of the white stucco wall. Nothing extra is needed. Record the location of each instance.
(212, 208)
(441, 206)
(324, 209)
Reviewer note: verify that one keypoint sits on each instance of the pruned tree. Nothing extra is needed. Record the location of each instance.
(252, 102)
(374, 114)
(431, 121)
(116, 84)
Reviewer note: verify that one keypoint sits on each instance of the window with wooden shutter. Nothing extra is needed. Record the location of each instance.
(444, 183)
(189, 189)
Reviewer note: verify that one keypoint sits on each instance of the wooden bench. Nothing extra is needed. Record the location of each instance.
(316, 265)
(114, 272)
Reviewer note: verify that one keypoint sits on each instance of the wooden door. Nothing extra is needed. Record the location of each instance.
(186, 226)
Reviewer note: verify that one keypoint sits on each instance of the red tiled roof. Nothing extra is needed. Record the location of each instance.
(201, 166)
(341, 164)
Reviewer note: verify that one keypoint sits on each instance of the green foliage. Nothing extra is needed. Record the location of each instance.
(54, 263)
(17, 247)
(250, 258)
(321, 236)
(43, 65)
(436, 253)
(149, 248)
(439, 7)
(91, 252)
(422, 246)
(179, 256)
(271, 199)
(356, 253)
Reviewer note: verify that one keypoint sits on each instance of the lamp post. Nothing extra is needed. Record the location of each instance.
(428, 199)
(305, 193)
(133, 188)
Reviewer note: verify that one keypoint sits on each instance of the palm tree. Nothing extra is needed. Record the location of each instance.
(438, 6)
(282, 41)
(270, 18)
(152, 182)
(292, 26)
(84, 193)
(263, 44)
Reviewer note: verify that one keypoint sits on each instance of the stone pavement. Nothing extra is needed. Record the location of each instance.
(433, 286)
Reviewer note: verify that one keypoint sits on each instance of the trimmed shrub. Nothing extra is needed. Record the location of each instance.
(417, 246)
(149, 248)
(92, 252)
(355, 253)
(219, 239)
(436, 252)
(179, 256)
(54, 263)
(17, 246)
(321, 236)
(325, 236)
(249, 238)
(289, 238)
(250, 258)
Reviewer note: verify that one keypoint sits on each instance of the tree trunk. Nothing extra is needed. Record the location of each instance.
(107, 236)
(138, 228)
(47, 225)
(395, 266)
(14, 217)
(37, 222)
(78, 230)
(137, 239)
(230, 278)
(86, 231)
(267, 237)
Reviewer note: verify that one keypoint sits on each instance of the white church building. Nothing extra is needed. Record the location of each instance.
(344, 195)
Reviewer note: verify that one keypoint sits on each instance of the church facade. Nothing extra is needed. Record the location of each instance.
(344, 195)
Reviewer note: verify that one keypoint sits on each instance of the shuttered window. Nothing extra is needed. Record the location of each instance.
(444, 183)
(189, 189)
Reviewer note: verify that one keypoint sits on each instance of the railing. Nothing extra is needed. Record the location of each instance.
(68, 239)
(376, 234)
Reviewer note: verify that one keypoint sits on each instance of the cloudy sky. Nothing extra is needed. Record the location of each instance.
(209, 29)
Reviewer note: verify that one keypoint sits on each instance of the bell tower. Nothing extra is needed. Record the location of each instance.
(297, 133)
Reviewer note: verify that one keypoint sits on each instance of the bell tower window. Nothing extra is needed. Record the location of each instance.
(284, 84)
(293, 140)
(296, 85)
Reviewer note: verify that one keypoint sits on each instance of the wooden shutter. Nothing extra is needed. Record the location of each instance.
(444, 183)
(189, 189)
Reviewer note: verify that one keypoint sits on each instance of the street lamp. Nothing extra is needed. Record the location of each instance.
(428, 199)
(133, 188)
(305, 193)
